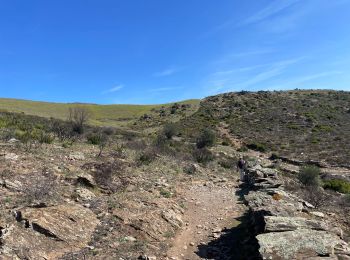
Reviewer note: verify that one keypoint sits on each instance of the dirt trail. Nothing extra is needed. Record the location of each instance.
(225, 133)
(212, 209)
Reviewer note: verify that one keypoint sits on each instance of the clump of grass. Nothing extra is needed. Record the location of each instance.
(165, 193)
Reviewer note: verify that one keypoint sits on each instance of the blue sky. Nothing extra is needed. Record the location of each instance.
(157, 51)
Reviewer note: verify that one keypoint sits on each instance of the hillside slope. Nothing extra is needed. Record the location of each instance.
(101, 115)
(306, 125)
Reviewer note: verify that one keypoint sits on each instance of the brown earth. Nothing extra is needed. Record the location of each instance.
(211, 208)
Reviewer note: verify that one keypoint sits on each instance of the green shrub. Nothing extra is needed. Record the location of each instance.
(341, 186)
(25, 137)
(169, 130)
(165, 193)
(322, 128)
(67, 144)
(310, 176)
(206, 138)
(108, 130)
(203, 155)
(45, 138)
(274, 156)
(227, 164)
(147, 156)
(190, 169)
(94, 138)
(257, 147)
(101, 139)
(242, 149)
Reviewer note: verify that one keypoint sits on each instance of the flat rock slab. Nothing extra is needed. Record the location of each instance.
(50, 232)
(284, 205)
(302, 242)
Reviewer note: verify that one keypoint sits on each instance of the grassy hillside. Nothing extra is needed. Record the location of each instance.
(299, 124)
(101, 115)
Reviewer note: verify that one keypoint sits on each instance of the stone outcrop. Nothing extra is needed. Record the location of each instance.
(283, 224)
(47, 233)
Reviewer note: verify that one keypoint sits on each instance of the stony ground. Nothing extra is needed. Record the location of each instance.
(157, 210)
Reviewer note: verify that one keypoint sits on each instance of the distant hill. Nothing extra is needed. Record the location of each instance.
(101, 115)
(308, 125)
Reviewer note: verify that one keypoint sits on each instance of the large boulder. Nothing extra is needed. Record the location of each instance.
(272, 204)
(279, 224)
(300, 244)
(48, 233)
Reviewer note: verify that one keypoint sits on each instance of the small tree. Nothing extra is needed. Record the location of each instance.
(104, 142)
(78, 117)
(101, 139)
(310, 176)
(61, 129)
(206, 138)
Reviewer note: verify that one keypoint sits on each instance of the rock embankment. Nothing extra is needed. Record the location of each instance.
(287, 227)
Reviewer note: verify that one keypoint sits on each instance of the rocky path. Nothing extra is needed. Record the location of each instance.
(212, 209)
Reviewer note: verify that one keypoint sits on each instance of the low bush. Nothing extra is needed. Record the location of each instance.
(227, 163)
(94, 138)
(101, 139)
(108, 130)
(257, 147)
(206, 138)
(338, 185)
(203, 155)
(165, 193)
(316, 196)
(119, 151)
(242, 149)
(104, 175)
(274, 156)
(190, 169)
(169, 130)
(310, 176)
(40, 187)
(45, 138)
(225, 142)
(61, 129)
(147, 156)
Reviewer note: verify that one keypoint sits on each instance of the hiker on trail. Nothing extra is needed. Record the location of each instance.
(241, 164)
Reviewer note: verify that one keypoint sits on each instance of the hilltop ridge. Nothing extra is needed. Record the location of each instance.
(300, 124)
(117, 115)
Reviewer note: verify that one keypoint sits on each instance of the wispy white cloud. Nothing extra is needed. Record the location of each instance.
(233, 56)
(114, 89)
(272, 9)
(164, 89)
(252, 53)
(299, 81)
(166, 72)
(247, 77)
(236, 70)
